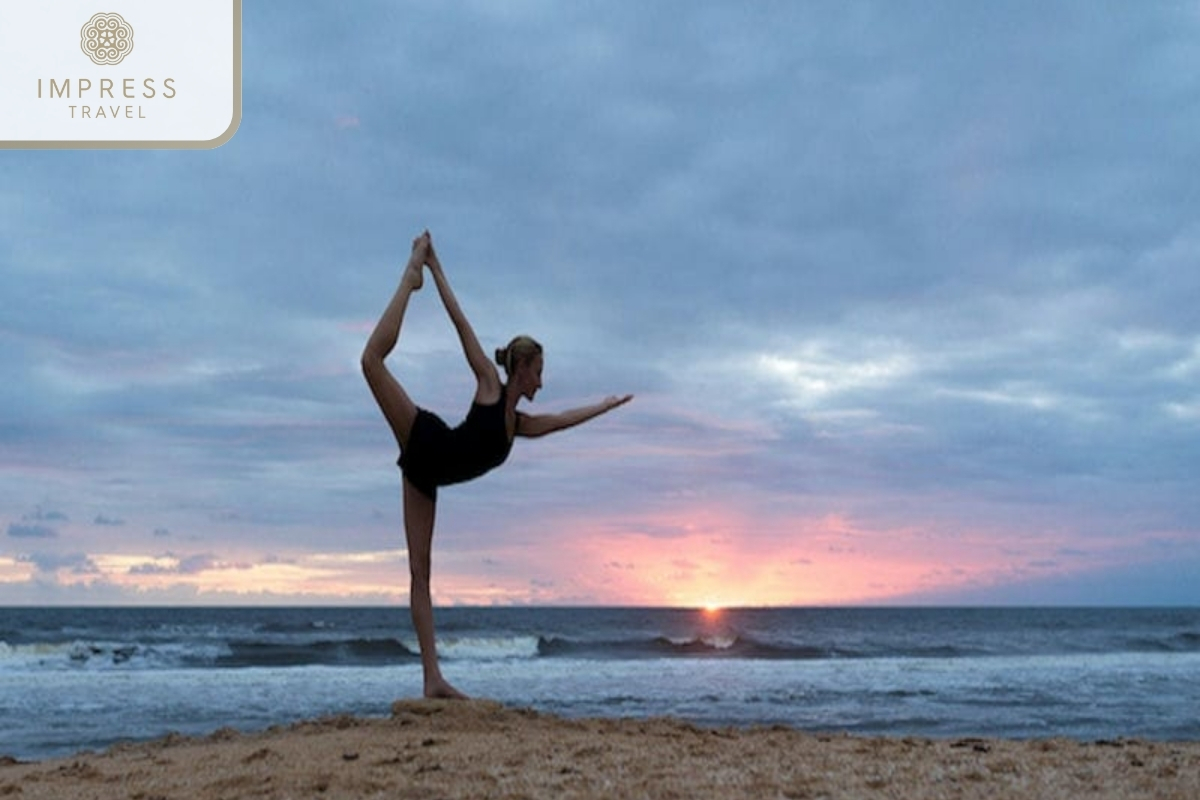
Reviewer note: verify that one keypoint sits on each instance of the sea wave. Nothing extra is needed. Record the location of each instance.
(487, 648)
(1182, 642)
(330, 652)
(723, 646)
(242, 642)
(80, 654)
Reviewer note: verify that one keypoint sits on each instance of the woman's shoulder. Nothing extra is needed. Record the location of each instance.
(487, 394)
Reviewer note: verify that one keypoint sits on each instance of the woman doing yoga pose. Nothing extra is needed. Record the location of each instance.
(434, 454)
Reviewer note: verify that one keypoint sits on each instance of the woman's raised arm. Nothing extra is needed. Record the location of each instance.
(486, 376)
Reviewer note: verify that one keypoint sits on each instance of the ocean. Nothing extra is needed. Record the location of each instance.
(86, 678)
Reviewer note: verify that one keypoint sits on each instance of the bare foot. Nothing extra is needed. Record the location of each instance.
(441, 688)
(412, 273)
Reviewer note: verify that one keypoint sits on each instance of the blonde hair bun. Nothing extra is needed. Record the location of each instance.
(520, 350)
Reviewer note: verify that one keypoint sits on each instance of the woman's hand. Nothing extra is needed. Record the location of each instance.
(613, 401)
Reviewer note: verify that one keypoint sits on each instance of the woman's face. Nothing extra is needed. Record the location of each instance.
(530, 376)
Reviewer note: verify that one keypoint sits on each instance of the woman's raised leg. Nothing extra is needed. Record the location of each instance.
(419, 512)
(398, 408)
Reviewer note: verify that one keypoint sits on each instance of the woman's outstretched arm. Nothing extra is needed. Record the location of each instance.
(532, 425)
(485, 371)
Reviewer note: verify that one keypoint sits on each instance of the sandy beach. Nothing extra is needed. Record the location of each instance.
(434, 749)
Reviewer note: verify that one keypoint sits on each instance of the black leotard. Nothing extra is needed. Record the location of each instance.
(438, 455)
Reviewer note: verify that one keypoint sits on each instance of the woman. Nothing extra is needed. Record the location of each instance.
(433, 454)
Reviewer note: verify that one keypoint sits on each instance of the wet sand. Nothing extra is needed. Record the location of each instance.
(478, 749)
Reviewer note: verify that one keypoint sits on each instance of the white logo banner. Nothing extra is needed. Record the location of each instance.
(120, 73)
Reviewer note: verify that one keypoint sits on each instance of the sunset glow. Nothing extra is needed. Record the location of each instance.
(709, 557)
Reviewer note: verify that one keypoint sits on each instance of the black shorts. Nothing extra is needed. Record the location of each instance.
(420, 462)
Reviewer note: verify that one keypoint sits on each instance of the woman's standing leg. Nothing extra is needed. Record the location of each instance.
(419, 512)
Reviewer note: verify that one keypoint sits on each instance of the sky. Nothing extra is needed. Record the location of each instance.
(907, 295)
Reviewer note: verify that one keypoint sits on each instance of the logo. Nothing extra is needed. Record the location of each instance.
(72, 76)
(106, 38)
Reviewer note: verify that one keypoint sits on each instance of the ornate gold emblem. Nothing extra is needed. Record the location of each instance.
(106, 38)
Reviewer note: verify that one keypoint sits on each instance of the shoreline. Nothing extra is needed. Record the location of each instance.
(480, 748)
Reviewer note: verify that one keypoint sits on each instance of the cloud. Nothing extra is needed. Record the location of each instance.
(43, 515)
(75, 563)
(21, 531)
(178, 565)
(109, 521)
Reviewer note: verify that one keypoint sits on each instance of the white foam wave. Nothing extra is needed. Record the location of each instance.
(472, 648)
(83, 654)
(720, 642)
